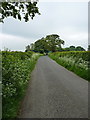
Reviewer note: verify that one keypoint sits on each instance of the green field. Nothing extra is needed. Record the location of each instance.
(76, 61)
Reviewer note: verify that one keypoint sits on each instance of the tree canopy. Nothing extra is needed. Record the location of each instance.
(88, 47)
(49, 43)
(54, 42)
(73, 48)
(79, 48)
(18, 10)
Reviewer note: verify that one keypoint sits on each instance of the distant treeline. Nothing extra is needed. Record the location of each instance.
(51, 43)
(73, 48)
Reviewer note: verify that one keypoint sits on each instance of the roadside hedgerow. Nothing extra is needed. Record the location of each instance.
(16, 69)
(76, 61)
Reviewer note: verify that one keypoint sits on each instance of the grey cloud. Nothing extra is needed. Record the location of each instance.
(64, 19)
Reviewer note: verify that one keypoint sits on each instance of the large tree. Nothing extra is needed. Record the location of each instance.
(79, 48)
(72, 48)
(49, 43)
(18, 10)
(54, 42)
(27, 48)
(32, 46)
(41, 45)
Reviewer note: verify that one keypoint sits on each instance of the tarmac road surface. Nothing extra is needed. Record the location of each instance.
(54, 92)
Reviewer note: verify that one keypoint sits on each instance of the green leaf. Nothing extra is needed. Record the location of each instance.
(19, 16)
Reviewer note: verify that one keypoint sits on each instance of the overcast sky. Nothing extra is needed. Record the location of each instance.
(67, 19)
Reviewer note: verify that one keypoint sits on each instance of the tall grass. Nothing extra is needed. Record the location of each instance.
(16, 69)
(78, 62)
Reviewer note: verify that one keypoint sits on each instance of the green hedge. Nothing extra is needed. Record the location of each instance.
(16, 69)
(76, 61)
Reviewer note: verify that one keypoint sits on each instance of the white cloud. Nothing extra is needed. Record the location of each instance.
(13, 42)
(78, 39)
(64, 0)
(81, 36)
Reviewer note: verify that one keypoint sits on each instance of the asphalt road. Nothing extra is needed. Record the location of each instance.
(55, 92)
